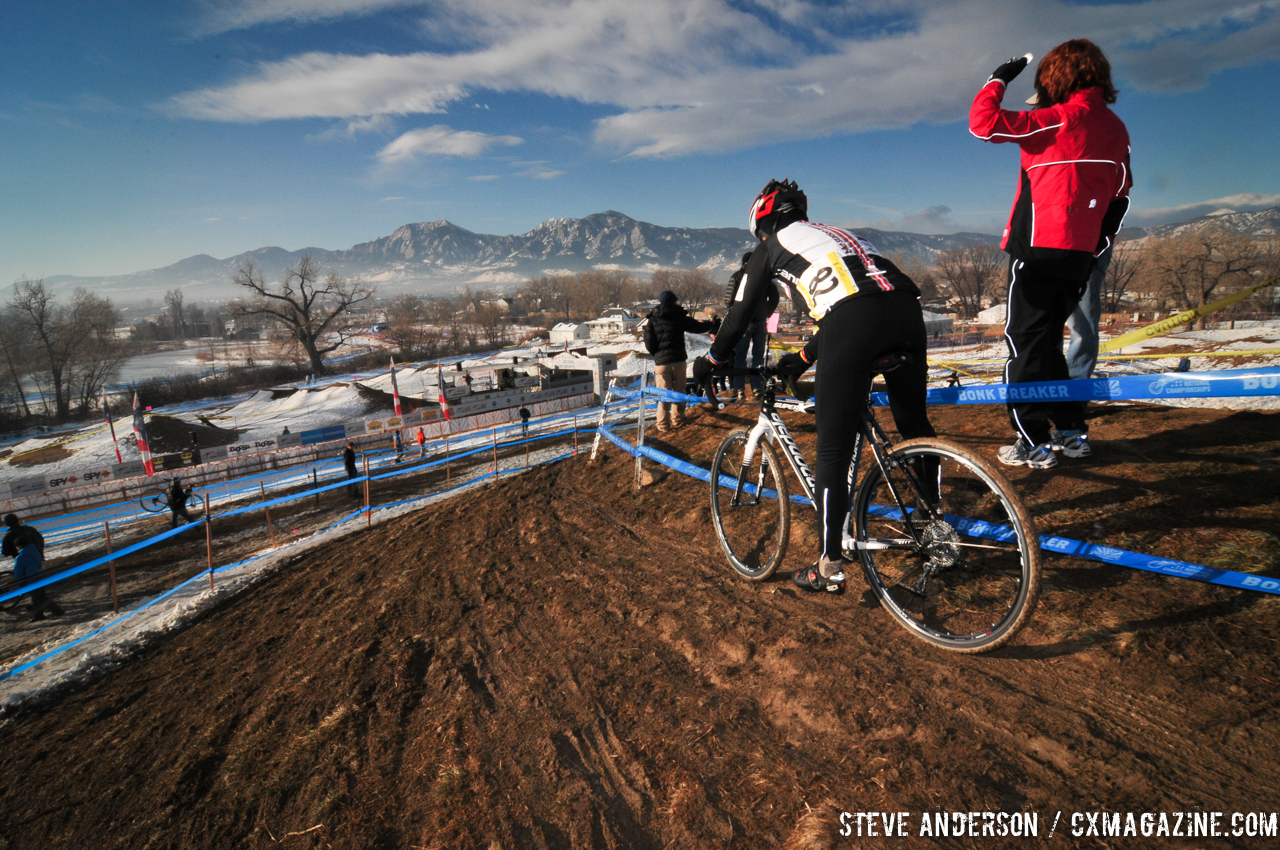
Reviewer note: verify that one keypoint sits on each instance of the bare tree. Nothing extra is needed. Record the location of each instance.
(914, 267)
(74, 347)
(1192, 267)
(99, 356)
(1127, 261)
(316, 312)
(406, 320)
(493, 323)
(177, 317)
(15, 343)
(693, 286)
(54, 336)
(971, 274)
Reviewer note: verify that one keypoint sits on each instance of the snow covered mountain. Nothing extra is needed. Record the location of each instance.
(439, 256)
(1259, 224)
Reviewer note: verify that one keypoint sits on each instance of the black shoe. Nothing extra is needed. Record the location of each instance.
(813, 580)
(55, 609)
(37, 616)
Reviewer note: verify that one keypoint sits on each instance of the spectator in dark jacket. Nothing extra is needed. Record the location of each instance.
(664, 339)
(26, 546)
(349, 461)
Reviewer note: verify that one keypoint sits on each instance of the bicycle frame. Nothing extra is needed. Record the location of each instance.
(771, 426)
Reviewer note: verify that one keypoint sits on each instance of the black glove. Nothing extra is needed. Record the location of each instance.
(792, 365)
(702, 370)
(1009, 70)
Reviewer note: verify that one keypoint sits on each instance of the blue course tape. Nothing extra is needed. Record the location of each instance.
(25, 589)
(1228, 383)
(991, 531)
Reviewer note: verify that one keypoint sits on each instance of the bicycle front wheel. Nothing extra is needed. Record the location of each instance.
(947, 546)
(750, 506)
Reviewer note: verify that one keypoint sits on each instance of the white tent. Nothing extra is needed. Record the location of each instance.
(993, 315)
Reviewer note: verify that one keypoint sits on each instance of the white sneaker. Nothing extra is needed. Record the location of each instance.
(1036, 457)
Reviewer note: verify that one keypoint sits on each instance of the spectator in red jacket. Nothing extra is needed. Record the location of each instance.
(1072, 196)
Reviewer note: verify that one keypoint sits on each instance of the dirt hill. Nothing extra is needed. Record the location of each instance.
(558, 662)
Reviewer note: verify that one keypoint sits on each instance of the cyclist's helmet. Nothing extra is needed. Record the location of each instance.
(778, 204)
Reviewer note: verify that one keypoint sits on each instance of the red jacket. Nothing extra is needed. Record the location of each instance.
(1074, 189)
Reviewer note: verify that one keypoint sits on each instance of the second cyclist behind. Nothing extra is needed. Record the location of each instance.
(865, 307)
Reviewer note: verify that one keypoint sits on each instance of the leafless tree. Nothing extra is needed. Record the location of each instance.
(53, 334)
(407, 328)
(1191, 268)
(15, 343)
(1127, 260)
(315, 310)
(493, 323)
(693, 286)
(99, 355)
(74, 348)
(971, 274)
(177, 317)
(914, 267)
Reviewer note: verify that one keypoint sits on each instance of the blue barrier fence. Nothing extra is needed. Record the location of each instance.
(1048, 542)
(158, 538)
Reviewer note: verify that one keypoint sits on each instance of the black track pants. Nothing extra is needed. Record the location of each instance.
(1039, 307)
(855, 333)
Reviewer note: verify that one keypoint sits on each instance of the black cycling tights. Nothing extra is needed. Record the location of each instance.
(854, 334)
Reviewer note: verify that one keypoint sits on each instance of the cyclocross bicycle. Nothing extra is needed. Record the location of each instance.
(945, 542)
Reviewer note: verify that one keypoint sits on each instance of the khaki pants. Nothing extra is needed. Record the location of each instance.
(670, 377)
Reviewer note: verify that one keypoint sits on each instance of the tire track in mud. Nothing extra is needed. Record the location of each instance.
(559, 661)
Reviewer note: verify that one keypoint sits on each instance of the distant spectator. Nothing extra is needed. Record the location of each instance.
(664, 339)
(524, 420)
(422, 443)
(178, 502)
(953, 380)
(398, 442)
(25, 545)
(349, 461)
(285, 431)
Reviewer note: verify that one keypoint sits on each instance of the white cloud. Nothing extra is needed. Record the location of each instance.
(227, 15)
(441, 141)
(705, 75)
(356, 126)
(484, 178)
(213, 218)
(393, 198)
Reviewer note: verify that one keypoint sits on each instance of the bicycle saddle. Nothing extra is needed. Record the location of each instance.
(888, 362)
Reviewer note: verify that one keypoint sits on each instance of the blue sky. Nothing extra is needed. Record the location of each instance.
(135, 134)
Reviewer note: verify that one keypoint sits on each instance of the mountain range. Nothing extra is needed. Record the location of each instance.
(439, 257)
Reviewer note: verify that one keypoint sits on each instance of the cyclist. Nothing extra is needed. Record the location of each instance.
(178, 502)
(865, 307)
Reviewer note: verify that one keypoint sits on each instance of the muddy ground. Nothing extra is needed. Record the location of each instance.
(559, 662)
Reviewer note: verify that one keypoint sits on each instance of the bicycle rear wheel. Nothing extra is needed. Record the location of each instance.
(155, 502)
(752, 523)
(960, 566)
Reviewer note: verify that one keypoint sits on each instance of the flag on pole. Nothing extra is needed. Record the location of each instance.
(106, 414)
(395, 390)
(444, 402)
(140, 431)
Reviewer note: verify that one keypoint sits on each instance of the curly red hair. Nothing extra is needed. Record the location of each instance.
(1070, 67)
